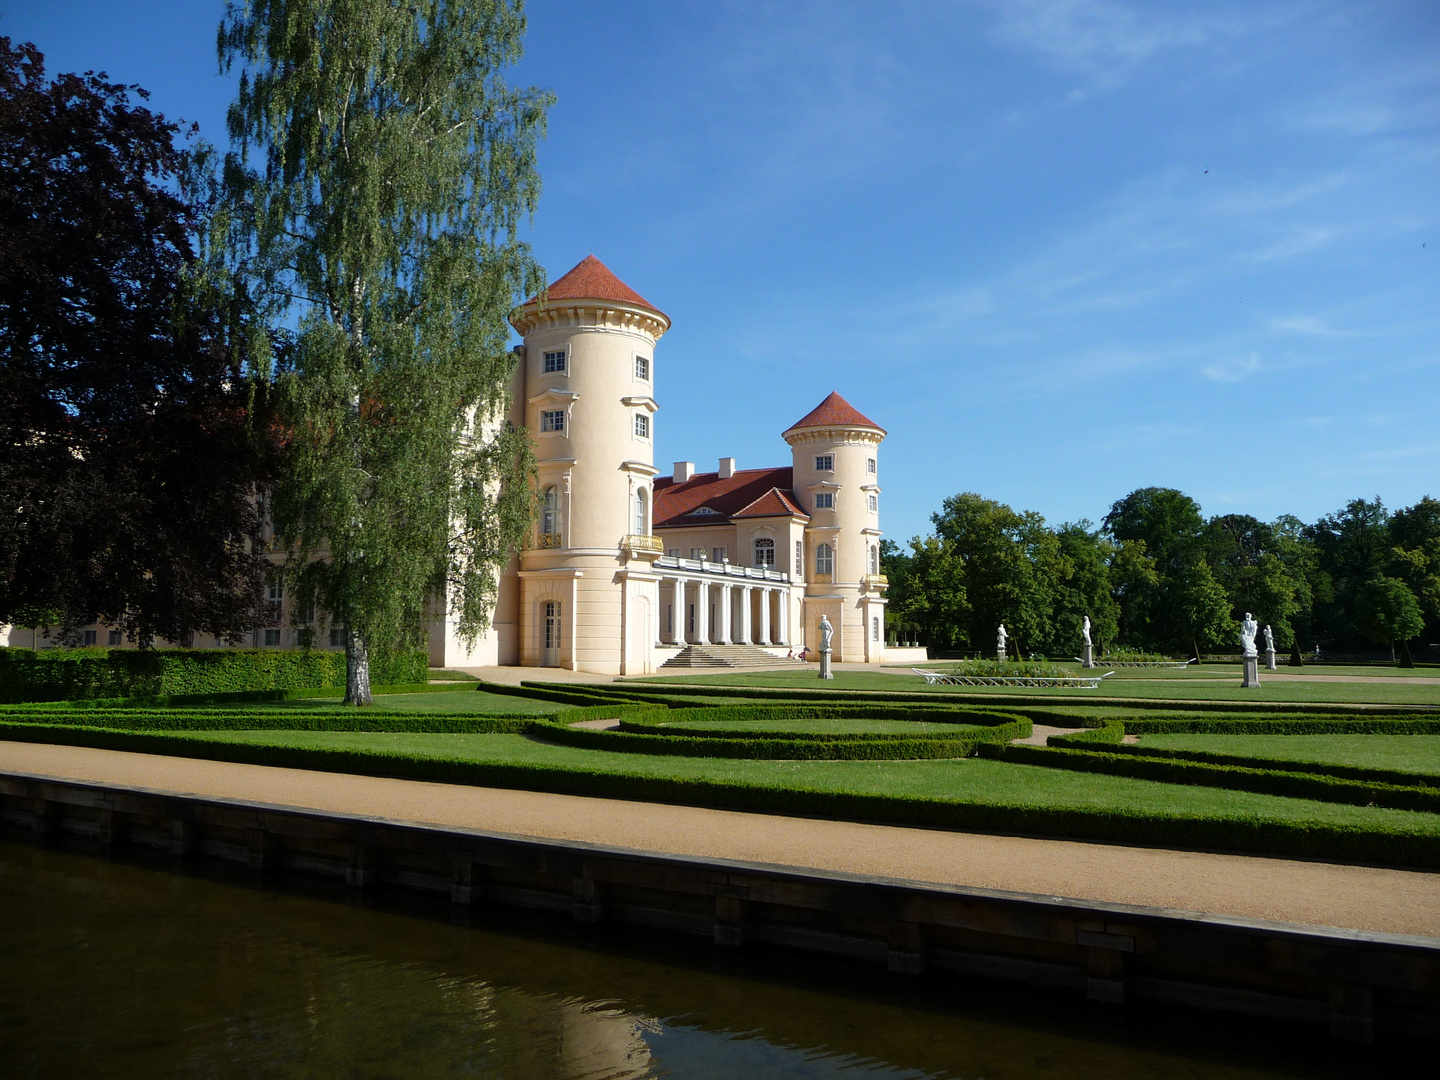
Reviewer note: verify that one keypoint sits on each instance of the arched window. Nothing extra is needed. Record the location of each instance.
(765, 552)
(824, 559)
(640, 512)
(874, 560)
(550, 512)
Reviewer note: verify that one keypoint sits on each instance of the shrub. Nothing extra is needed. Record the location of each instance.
(62, 674)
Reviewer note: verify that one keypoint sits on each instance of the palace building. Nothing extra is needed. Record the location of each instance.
(626, 568)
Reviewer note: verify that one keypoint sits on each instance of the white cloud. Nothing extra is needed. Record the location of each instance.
(1233, 370)
(1100, 39)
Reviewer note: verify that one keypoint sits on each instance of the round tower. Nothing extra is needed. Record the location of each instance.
(585, 392)
(837, 480)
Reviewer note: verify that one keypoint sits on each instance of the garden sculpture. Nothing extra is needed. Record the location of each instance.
(1248, 629)
(1085, 630)
(826, 633)
(1000, 640)
(1269, 639)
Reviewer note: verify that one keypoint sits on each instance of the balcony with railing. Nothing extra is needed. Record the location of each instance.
(642, 545)
(720, 569)
(875, 581)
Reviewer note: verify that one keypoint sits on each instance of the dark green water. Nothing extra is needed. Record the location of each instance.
(122, 969)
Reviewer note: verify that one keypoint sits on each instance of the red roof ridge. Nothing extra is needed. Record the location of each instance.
(590, 279)
(834, 411)
(774, 503)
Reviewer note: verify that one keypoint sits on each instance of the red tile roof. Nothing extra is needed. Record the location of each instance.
(592, 280)
(835, 411)
(774, 503)
(676, 504)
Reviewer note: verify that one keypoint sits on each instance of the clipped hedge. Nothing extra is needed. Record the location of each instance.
(800, 747)
(1368, 773)
(1269, 781)
(180, 720)
(67, 674)
(1356, 843)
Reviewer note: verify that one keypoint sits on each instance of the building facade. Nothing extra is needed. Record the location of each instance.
(625, 566)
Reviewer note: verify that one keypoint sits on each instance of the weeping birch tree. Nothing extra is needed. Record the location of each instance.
(380, 168)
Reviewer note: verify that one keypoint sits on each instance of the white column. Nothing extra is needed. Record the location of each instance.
(702, 613)
(742, 630)
(675, 630)
(762, 635)
(725, 598)
(782, 617)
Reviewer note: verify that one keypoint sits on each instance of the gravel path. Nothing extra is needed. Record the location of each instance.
(1355, 897)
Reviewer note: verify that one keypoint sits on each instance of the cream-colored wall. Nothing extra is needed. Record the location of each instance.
(850, 528)
(709, 538)
(597, 465)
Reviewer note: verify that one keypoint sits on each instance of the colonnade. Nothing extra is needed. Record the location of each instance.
(739, 619)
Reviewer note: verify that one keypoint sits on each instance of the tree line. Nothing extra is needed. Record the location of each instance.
(1157, 575)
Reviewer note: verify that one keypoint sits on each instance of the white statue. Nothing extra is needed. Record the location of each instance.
(826, 633)
(1248, 630)
(1269, 639)
(1001, 639)
(1085, 630)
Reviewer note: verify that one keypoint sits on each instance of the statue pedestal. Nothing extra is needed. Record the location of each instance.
(1000, 655)
(1270, 660)
(1087, 656)
(1252, 676)
(825, 672)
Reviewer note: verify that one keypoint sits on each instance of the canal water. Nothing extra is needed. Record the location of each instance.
(131, 969)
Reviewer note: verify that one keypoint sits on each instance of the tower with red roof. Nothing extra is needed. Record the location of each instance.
(836, 467)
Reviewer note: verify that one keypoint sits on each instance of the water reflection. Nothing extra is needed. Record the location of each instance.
(110, 969)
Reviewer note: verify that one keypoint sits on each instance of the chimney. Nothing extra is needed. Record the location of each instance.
(727, 468)
(684, 470)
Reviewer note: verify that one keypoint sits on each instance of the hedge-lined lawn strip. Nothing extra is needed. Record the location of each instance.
(1391, 692)
(1396, 753)
(965, 780)
(473, 701)
(853, 726)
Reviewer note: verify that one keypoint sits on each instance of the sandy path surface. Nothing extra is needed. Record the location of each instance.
(1355, 897)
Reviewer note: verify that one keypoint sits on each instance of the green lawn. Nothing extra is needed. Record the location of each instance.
(1403, 753)
(1154, 686)
(967, 780)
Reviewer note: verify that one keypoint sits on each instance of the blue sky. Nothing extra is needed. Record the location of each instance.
(1060, 249)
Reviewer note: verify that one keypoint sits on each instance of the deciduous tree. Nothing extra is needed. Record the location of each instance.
(381, 171)
(132, 439)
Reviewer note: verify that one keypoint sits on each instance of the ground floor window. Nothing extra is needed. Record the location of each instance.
(337, 637)
(552, 624)
(113, 638)
(272, 637)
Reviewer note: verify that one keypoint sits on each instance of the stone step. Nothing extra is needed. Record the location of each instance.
(726, 656)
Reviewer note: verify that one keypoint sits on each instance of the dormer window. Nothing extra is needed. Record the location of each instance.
(554, 363)
(642, 368)
(824, 500)
(824, 462)
(704, 510)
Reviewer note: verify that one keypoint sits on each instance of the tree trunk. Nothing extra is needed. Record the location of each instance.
(1195, 645)
(357, 670)
(1406, 660)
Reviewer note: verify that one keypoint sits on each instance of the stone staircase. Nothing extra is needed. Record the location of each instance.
(726, 656)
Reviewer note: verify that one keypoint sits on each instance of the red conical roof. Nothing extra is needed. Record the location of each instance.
(835, 411)
(592, 280)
